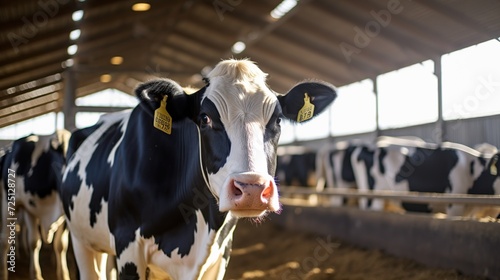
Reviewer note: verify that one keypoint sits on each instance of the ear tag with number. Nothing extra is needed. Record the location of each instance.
(493, 167)
(162, 119)
(307, 111)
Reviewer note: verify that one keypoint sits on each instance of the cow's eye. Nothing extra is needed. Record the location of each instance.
(278, 121)
(205, 119)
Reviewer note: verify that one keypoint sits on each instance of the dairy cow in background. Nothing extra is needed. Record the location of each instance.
(335, 165)
(344, 163)
(296, 166)
(161, 187)
(30, 174)
(425, 167)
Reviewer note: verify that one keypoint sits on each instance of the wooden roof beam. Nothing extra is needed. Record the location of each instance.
(57, 56)
(25, 105)
(458, 17)
(20, 98)
(344, 10)
(30, 75)
(30, 113)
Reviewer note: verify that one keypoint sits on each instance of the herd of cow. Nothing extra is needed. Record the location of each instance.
(158, 188)
(399, 164)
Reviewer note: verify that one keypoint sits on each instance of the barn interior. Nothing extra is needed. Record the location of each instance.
(55, 51)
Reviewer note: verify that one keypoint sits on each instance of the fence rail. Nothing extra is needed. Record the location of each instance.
(418, 197)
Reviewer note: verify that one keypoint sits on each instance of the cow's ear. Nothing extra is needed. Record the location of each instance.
(151, 94)
(306, 100)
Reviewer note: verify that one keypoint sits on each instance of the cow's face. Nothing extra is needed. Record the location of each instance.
(239, 121)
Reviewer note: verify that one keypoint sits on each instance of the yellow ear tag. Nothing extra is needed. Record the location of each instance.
(493, 167)
(162, 119)
(307, 111)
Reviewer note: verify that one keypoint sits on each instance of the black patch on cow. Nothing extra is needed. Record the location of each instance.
(41, 179)
(347, 173)
(159, 187)
(98, 169)
(129, 272)
(21, 153)
(484, 183)
(77, 138)
(46, 174)
(366, 156)
(215, 134)
(427, 170)
(70, 188)
(381, 157)
(271, 138)
(298, 168)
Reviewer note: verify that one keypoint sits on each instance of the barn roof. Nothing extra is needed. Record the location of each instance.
(337, 41)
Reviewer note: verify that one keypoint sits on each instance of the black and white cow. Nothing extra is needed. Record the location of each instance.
(30, 174)
(296, 166)
(165, 201)
(424, 167)
(334, 164)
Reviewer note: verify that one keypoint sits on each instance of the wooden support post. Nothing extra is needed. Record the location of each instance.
(69, 100)
(439, 133)
(375, 91)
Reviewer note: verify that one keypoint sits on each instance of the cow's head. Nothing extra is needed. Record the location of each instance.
(239, 121)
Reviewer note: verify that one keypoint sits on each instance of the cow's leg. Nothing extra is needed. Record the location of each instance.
(87, 260)
(111, 273)
(60, 245)
(34, 245)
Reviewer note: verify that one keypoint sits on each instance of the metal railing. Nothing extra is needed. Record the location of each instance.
(417, 197)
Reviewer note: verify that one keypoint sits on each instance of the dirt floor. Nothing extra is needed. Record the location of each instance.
(264, 251)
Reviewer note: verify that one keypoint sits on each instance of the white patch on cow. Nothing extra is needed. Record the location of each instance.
(202, 262)
(245, 104)
(393, 163)
(460, 178)
(85, 151)
(87, 235)
(124, 116)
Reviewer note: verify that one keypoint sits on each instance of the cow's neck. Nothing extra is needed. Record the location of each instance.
(174, 177)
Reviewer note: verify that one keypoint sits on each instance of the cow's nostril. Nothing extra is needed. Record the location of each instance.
(237, 190)
(267, 192)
